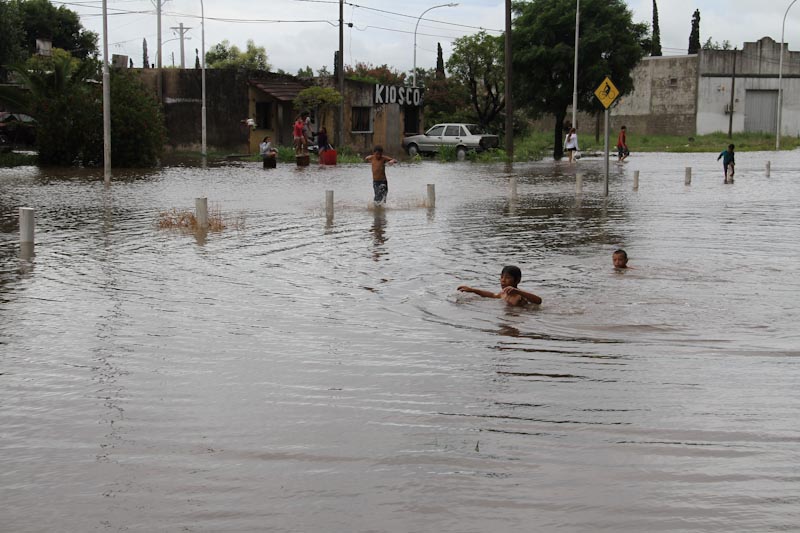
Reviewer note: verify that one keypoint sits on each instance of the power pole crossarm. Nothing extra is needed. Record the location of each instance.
(181, 30)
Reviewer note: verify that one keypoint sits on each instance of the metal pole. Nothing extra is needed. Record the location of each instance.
(508, 100)
(106, 102)
(575, 76)
(733, 89)
(183, 56)
(414, 70)
(203, 148)
(605, 181)
(780, 82)
(340, 133)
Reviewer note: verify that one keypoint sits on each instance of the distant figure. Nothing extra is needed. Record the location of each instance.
(298, 136)
(728, 163)
(307, 133)
(267, 152)
(571, 144)
(322, 139)
(510, 277)
(379, 183)
(622, 144)
(620, 259)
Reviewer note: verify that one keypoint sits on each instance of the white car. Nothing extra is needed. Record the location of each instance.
(463, 137)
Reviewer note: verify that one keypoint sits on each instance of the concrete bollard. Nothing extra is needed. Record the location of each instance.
(635, 180)
(687, 180)
(329, 204)
(27, 224)
(769, 167)
(578, 183)
(201, 212)
(513, 184)
(431, 195)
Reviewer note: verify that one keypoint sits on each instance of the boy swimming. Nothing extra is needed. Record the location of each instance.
(509, 279)
(620, 259)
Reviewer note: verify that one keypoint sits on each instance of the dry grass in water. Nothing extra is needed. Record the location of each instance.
(186, 219)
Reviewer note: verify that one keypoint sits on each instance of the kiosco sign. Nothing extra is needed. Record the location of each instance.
(385, 94)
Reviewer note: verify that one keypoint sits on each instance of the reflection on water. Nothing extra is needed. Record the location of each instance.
(286, 377)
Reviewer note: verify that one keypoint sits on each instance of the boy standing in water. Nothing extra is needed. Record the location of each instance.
(509, 279)
(379, 183)
(622, 144)
(620, 259)
(728, 162)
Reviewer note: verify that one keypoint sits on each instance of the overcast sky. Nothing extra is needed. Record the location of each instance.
(297, 33)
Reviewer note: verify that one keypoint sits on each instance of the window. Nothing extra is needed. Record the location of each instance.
(673, 82)
(362, 119)
(435, 131)
(264, 115)
(453, 131)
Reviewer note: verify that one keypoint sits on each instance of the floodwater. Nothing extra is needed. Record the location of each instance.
(297, 374)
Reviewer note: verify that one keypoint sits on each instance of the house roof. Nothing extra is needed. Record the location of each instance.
(283, 90)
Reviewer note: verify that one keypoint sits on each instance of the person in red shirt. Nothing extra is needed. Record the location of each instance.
(299, 136)
(622, 145)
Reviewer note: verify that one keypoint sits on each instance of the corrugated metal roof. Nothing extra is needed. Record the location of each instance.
(283, 90)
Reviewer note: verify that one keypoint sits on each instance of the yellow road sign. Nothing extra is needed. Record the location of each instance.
(607, 92)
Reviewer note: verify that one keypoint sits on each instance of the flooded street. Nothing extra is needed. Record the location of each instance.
(297, 374)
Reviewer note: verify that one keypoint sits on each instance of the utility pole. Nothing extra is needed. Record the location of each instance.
(733, 89)
(340, 132)
(509, 103)
(181, 29)
(159, 3)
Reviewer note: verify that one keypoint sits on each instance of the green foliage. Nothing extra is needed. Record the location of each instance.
(543, 55)
(324, 72)
(381, 74)
(714, 45)
(42, 19)
(477, 64)
(316, 97)
(11, 38)
(447, 153)
(655, 43)
(137, 126)
(306, 73)
(694, 35)
(225, 55)
(13, 159)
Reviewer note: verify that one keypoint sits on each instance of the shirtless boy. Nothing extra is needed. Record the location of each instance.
(379, 183)
(509, 279)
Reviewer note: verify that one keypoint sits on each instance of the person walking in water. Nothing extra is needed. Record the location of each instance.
(379, 183)
(622, 145)
(571, 144)
(728, 162)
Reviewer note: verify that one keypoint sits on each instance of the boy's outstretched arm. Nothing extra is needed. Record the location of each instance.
(479, 292)
(529, 296)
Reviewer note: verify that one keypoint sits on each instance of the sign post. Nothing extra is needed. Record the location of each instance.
(606, 93)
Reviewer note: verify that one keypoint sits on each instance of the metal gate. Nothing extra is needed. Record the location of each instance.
(761, 111)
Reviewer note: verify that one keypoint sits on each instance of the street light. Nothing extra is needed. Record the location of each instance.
(780, 81)
(414, 72)
(203, 150)
(575, 80)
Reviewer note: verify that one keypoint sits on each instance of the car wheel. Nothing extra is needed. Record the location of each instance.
(461, 153)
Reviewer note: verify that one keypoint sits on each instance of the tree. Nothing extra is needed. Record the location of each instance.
(714, 45)
(306, 73)
(320, 99)
(11, 38)
(694, 36)
(324, 72)
(477, 63)
(225, 55)
(372, 74)
(40, 19)
(543, 54)
(440, 74)
(145, 56)
(197, 59)
(655, 49)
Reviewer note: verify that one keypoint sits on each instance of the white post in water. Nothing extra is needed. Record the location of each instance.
(431, 195)
(635, 180)
(513, 184)
(578, 183)
(201, 212)
(769, 167)
(329, 204)
(687, 180)
(27, 223)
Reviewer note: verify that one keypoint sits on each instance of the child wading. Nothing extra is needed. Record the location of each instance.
(509, 279)
(379, 183)
(728, 162)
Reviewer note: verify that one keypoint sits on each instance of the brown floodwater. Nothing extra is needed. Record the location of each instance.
(293, 373)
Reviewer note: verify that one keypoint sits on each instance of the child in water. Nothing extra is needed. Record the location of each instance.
(379, 183)
(620, 259)
(728, 162)
(509, 279)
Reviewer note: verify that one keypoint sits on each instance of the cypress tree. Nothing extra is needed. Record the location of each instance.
(656, 46)
(145, 57)
(439, 62)
(694, 37)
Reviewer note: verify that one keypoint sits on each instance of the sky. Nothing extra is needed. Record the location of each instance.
(301, 33)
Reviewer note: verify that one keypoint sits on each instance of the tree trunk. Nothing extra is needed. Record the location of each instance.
(558, 146)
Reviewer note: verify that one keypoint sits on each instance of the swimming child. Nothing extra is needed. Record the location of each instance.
(379, 183)
(728, 162)
(620, 259)
(509, 279)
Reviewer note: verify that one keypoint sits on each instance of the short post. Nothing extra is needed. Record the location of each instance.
(769, 167)
(635, 180)
(329, 204)
(688, 179)
(431, 195)
(513, 184)
(27, 223)
(578, 183)
(303, 160)
(201, 212)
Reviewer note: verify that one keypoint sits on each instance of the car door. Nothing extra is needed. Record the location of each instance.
(452, 135)
(433, 138)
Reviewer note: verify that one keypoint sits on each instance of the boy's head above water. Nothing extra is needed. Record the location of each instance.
(620, 258)
(510, 276)
(378, 150)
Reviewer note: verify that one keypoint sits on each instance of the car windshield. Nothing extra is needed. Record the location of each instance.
(475, 129)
